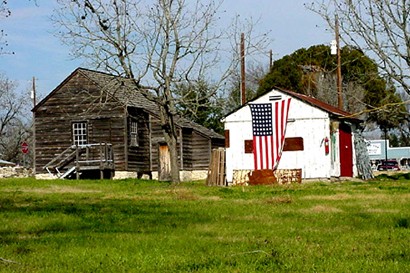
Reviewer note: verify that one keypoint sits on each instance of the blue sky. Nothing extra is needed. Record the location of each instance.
(38, 53)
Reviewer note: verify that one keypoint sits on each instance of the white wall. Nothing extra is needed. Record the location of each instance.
(312, 160)
(239, 125)
(310, 123)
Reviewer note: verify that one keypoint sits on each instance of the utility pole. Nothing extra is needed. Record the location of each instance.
(33, 92)
(243, 87)
(339, 66)
(33, 97)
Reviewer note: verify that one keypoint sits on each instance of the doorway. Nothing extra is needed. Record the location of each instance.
(346, 150)
(164, 163)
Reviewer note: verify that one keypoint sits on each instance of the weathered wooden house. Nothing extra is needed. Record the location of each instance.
(94, 123)
(319, 138)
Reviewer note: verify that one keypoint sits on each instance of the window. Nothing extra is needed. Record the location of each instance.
(133, 134)
(293, 144)
(248, 146)
(79, 131)
(226, 138)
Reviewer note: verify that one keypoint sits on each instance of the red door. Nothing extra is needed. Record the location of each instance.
(346, 150)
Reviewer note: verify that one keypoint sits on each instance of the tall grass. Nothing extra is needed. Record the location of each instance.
(147, 226)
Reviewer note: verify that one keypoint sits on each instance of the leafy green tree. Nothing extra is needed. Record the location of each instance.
(197, 105)
(364, 91)
(284, 73)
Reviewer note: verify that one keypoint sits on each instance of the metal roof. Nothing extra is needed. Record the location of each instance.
(334, 111)
(321, 105)
(6, 163)
(127, 93)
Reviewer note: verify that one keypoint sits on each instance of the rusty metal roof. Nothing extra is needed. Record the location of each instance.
(332, 110)
(321, 105)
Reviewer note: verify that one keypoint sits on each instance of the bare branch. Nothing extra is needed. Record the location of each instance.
(379, 28)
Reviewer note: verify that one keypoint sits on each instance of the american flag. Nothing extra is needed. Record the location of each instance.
(269, 126)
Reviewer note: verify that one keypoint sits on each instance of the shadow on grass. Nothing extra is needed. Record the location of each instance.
(393, 176)
(105, 216)
(402, 223)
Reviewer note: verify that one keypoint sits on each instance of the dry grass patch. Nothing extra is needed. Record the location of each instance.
(346, 196)
(321, 208)
(211, 198)
(183, 194)
(279, 200)
(392, 211)
(54, 189)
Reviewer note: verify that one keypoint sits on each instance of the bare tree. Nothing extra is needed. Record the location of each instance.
(13, 126)
(381, 28)
(4, 13)
(158, 44)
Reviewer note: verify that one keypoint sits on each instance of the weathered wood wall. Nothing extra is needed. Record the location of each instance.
(138, 157)
(77, 100)
(187, 148)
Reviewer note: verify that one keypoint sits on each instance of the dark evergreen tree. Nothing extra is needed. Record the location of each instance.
(312, 72)
(199, 103)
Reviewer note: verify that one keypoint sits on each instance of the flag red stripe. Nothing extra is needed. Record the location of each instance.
(267, 148)
(266, 151)
(276, 152)
(261, 151)
(282, 130)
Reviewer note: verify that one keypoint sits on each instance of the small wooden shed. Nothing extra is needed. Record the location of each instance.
(96, 124)
(318, 140)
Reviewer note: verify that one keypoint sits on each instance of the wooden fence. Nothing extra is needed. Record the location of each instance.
(216, 171)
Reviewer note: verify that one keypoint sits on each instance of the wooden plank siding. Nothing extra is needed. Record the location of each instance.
(157, 137)
(108, 104)
(139, 156)
(187, 149)
(202, 150)
(77, 100)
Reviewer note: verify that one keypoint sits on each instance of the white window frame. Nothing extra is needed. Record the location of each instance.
(79, 133)
(134, 133)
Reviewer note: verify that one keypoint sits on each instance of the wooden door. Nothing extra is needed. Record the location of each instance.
(164, 168)
(346, 150)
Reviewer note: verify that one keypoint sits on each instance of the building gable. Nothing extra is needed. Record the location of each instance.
(311, 143)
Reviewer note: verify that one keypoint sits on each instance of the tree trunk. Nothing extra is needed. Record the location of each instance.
(171, 138)
(173, 151)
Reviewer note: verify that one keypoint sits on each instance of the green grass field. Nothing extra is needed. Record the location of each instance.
(147, 226)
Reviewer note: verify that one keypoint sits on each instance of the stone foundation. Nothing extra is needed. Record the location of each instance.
(17, 172)
(45, 176)
(193, 175)
(124, 175)
(184, 175)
